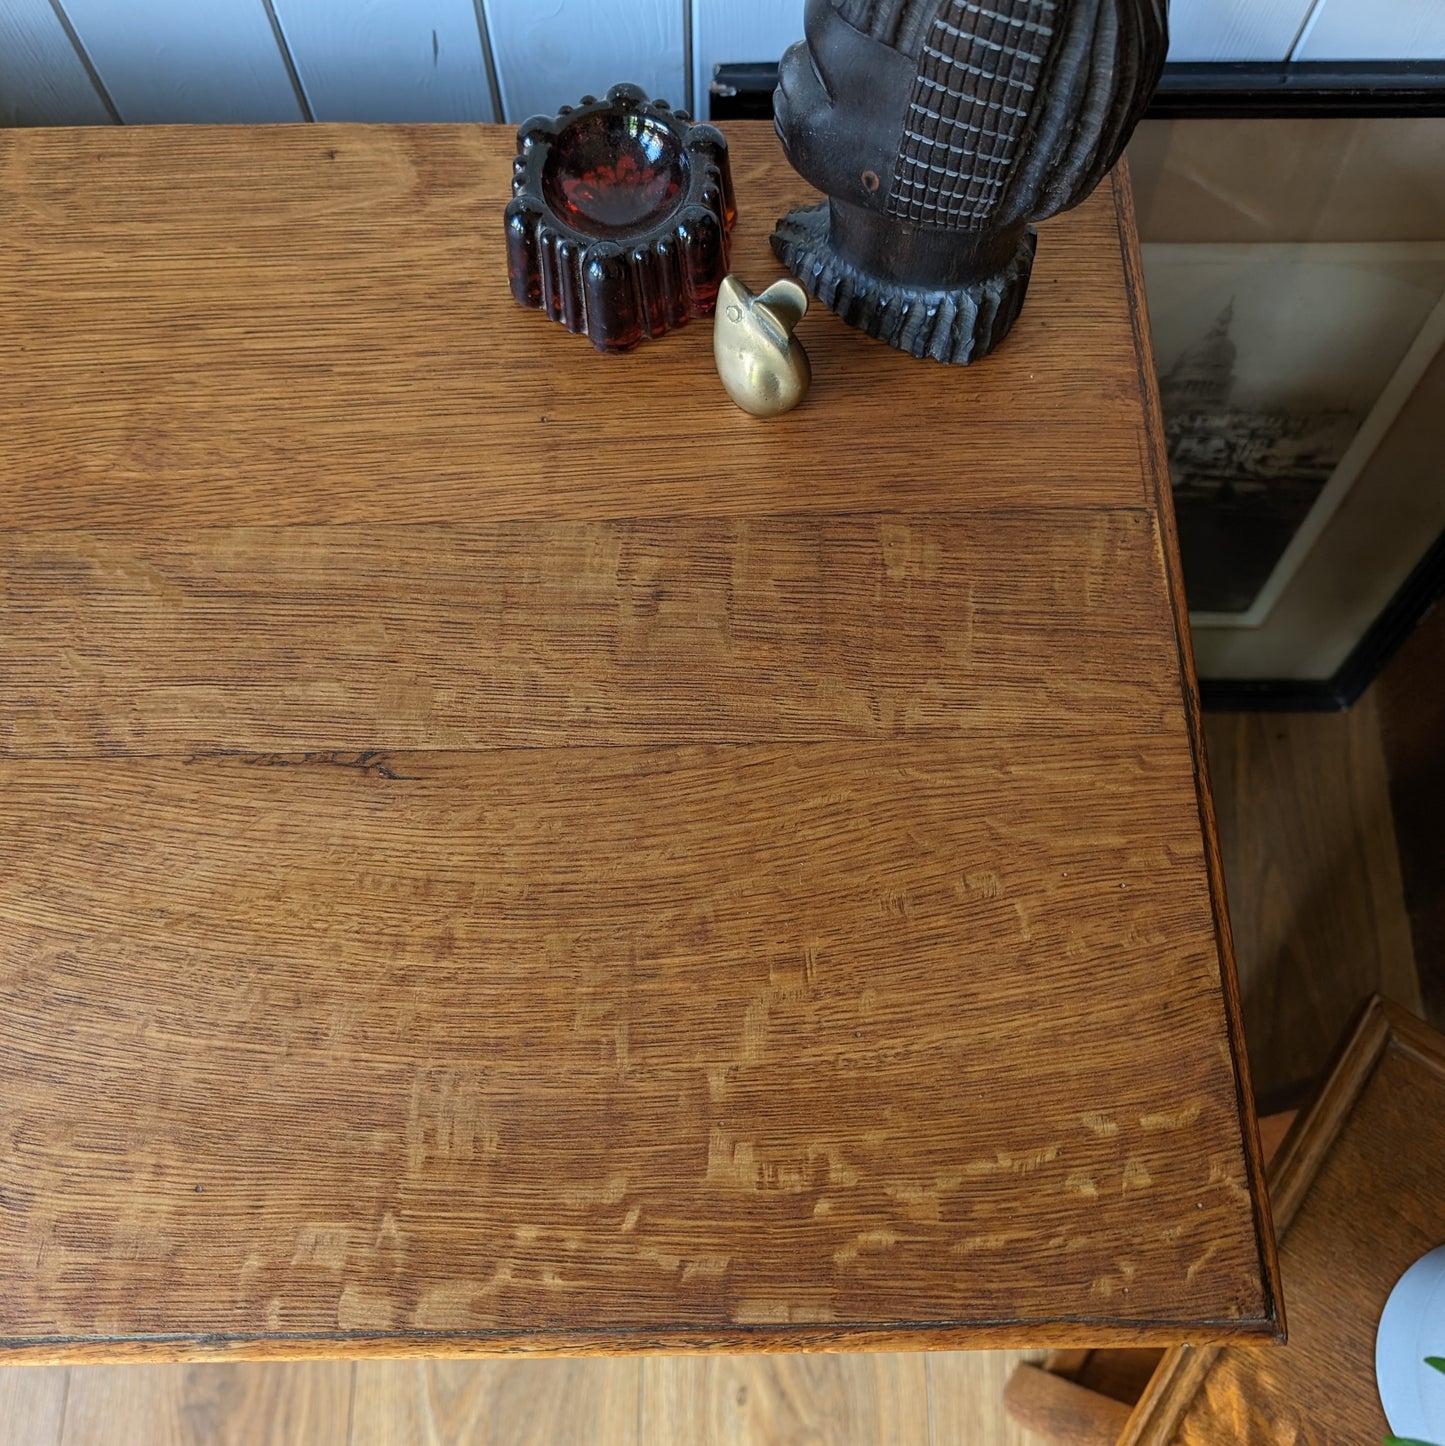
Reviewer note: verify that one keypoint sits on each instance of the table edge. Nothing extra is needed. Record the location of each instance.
(1156, 466)
(761, 1340)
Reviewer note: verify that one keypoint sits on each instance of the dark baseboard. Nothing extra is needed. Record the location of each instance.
(1271, 695)
(1198, 92)
(1421, 591)
(1304, 90)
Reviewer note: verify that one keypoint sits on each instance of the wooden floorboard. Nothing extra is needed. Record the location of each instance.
(759, 1400)
(796, 1400)
(283, 1405)
(965, 1395)
(519, 1403)
(1319, 919)
(32, 1404)
(1313, 872)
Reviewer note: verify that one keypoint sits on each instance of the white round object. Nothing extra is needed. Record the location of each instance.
(1411, 1328)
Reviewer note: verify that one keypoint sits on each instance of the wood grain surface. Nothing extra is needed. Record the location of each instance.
(533, 991)
(966, 1398)
(1357, 1190)
(952, 1399)
(495, 859)
(1056, 1408)
(546, 634)
(1077, 1396)
(32, 1404)
(721, 1401)
(323, 333)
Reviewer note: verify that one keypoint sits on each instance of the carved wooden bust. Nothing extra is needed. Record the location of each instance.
(939, 130)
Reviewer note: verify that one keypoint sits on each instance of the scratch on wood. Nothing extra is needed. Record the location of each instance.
(373, 762)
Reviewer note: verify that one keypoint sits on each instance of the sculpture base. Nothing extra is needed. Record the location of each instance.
(955, 324)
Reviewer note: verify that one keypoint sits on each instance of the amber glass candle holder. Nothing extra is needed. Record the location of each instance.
(619, 219)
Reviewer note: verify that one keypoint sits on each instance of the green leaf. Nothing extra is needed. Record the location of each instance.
(1438, 1362)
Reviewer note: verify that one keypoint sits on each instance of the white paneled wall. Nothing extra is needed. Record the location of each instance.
(1236, 29)
(553, 52)
(83, 62)
(180, 60)
(43, 80)
(388, 60)
(1375, 30)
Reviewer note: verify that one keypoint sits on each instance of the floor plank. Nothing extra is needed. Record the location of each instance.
(965, 1393)
(820, 1400)
(32, 1404)
(1412, 709)
(1313, 872)
(223, 1405)
(519, 1403)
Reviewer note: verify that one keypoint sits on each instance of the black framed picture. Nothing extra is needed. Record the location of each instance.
(1295, 268)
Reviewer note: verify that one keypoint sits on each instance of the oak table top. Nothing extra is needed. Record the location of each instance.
(502, 851)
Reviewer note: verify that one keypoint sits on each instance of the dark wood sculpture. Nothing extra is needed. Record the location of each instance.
(939, 130)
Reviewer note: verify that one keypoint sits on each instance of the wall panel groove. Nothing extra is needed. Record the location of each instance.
(282, 45)
(389, 60)
(1374, 30)
(45, 77)
(165, 61)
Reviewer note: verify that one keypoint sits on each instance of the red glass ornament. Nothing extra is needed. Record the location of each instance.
(619, 219)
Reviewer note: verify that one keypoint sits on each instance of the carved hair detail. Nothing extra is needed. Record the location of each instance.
(1018, 107)
(899, 23)
(980, 70)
